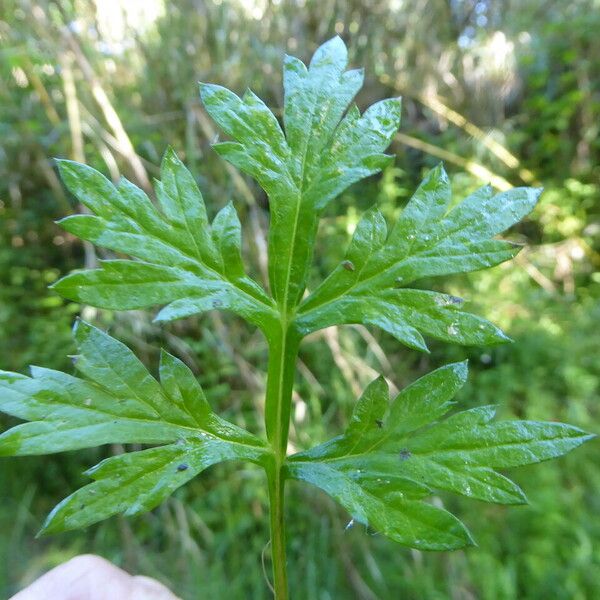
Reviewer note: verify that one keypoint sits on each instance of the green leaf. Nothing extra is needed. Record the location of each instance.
(136, 482)
(325, 148)
(393, 455)
(386, 507)
(429, 239)
(183, 261)
(118, 401)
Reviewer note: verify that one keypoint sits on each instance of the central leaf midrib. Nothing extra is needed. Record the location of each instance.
(300, 193)
(389, 265)
(440, 451)
(133, 420)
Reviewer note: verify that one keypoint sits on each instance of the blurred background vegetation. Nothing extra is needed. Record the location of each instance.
(504, 92)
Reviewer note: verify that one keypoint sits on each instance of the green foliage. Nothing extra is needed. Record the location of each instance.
(320, 155)
(392, 456)
(119, 402)
(428, 240)
(184, 262)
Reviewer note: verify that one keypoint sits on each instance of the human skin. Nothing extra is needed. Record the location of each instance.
(89, 577)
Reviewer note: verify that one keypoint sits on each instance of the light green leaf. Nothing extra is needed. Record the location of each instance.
(394, 514)
(183, 261)
(393, 455)
(429, 239)
(321, 153)
(137, 482)
(118, 401)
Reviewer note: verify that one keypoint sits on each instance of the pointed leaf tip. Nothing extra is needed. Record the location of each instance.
(170, 156)
(202, 88)
(461, 369)
(336, 43)
(82, 328)
(76, 324)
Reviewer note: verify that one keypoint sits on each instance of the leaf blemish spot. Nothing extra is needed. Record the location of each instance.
(448, 300)
(405, 454)
(452, 329)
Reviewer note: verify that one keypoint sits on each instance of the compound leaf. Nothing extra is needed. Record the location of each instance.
(136, 482)
(325, 148)
(429, 239)
(183, 261)
(393, 455)
(118, 401)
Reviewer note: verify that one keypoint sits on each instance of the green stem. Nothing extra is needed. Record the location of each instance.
(276, 502)
(283, 351)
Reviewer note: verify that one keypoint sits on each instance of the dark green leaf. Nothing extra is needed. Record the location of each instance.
(182, 261)
(321, 153)
(118, 401)
(429, 239)
(391, 512)
(136, 482)
(394, 455)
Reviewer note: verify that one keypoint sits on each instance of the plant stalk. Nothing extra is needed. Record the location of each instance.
(278, 555)
(283, 352)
